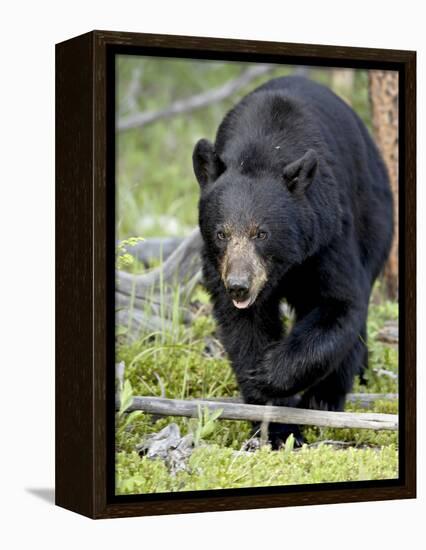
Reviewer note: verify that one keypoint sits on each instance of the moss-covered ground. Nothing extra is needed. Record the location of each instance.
(188, 362)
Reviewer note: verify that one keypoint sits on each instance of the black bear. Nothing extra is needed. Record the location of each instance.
(295, 204)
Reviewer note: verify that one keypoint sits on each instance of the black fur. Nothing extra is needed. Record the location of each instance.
(296, 160)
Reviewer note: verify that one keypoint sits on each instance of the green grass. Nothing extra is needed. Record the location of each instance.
(178, 366)
(217, 467)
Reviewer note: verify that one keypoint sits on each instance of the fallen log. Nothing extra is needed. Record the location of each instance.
(135, 322)
(265, 413)
(154, 249)
(366, 399)
(388, 373)
(362, 399)
(146, 302)
(389, 334)
(179, 268)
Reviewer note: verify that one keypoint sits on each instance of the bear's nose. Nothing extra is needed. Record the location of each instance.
(238, 288)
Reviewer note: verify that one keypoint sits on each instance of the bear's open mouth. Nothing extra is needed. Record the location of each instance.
(244, 304)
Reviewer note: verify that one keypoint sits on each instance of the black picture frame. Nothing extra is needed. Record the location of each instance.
(85, 236)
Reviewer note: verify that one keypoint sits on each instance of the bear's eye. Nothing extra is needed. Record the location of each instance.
(221, 236)
(261, 235)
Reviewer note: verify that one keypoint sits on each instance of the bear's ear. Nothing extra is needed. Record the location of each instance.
(207, 165)
(298, 175)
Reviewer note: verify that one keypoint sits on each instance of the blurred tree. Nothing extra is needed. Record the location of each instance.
(342, 82)
(383, 87)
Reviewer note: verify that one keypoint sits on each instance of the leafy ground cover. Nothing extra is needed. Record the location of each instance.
(188, 362)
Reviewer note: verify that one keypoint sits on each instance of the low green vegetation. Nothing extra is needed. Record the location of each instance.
(189, 363)
(216, 467)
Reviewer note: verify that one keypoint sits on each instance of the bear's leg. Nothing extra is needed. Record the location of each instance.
(245, 335)
(318, 344)
(330, 393)
(278, 433)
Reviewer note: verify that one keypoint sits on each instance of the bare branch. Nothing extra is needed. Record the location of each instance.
(389, 334)
(180, 267)
(265, 413)
(384, 372)
(198, 101)
(362, 399)
(146, 301)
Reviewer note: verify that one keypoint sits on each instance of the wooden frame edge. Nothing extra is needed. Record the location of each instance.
(81, 271)
(74, 275)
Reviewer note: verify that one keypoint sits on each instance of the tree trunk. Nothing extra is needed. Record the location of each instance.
(383, 87)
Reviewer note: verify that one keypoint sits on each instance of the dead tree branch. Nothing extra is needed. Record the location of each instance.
(266, 413)
(179, 268)
(146, 302)
(362, 399)
(388, 373)
(198, 101)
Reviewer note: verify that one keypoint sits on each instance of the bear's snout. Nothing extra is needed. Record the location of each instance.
(238, 287)
(242, 271)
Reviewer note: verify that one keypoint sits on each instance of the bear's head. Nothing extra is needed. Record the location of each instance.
(255, 217)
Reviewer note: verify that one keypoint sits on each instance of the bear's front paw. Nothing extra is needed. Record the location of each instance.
(269, 376)
(252, 390)
(264, 378)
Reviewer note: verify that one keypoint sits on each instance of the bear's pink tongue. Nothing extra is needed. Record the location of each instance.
(241, 305)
